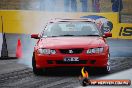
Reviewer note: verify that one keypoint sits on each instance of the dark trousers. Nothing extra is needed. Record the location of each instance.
(84, 5)
(70, 5)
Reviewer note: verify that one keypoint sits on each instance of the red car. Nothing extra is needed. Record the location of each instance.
(70, 42)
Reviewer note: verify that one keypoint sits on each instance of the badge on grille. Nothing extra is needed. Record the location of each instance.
(71, 51)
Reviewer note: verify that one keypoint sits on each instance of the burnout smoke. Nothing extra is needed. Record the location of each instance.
(27, 50)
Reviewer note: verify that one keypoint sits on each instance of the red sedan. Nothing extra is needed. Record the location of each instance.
(70, 42)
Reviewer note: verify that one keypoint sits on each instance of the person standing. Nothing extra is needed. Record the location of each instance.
(116, 5)
(73, 5)
(84, 5)
(70, 5)
(96, 5)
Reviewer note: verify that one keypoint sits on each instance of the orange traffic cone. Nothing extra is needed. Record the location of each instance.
(19, 49)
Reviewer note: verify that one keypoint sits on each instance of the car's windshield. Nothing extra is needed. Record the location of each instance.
(71, 29)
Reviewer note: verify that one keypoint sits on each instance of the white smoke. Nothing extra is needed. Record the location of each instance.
(27, 48)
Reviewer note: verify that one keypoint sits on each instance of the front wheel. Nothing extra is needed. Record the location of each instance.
(36, 71)
(107, 69)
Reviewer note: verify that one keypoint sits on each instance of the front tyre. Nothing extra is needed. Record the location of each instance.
(107, 69)
(36, 70)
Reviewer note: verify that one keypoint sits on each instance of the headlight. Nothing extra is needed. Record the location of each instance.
(52, 51)
(95, 50)
(46, 51)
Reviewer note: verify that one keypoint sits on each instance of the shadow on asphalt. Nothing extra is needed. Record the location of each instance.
(117, 65)
(71, 72)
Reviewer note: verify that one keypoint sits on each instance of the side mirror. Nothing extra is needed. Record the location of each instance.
(35, 36)
(108, 34)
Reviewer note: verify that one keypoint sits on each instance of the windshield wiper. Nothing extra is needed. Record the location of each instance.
(60, 35)
(67, 35)
(89, 35)
(72, 35)
(50, 36)
(54, 36)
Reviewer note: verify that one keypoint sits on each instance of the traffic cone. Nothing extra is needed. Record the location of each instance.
(19, 49)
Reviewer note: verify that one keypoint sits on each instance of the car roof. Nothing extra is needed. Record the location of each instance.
(71, 20)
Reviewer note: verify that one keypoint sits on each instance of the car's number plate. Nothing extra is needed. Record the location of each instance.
(71, 59)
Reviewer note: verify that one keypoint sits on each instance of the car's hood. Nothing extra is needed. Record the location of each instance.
(71, 42)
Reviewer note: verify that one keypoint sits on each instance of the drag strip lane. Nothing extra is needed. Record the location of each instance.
(24, 77)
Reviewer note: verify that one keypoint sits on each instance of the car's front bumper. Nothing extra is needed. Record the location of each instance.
(95, 60)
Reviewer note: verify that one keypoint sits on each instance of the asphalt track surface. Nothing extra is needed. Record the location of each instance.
(120, 47)
(16, 75)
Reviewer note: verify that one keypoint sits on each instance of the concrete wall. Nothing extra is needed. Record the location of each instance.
(20, 24)
(28, 22)
(22, 21)
(26, 42)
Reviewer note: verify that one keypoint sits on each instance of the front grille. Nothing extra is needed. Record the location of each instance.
(92, 61)
(49, 61)
(71, 51)
(74, 62)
